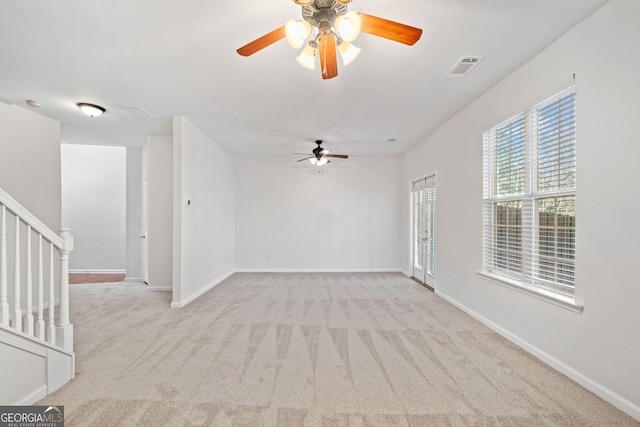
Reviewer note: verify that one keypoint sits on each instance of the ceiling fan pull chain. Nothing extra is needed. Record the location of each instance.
(324, 53)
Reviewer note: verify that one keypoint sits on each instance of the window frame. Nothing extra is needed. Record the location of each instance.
(528, 278)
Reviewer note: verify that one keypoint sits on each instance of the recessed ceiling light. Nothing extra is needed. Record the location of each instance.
(34, 104)
(91, 110)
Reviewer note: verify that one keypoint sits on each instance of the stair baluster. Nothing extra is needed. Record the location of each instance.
(17, 312)
(52, 301)
(4, 305)
(28, 318)
(40, 321)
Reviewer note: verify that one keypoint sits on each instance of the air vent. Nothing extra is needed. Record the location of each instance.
(463, 67)
(132, 111)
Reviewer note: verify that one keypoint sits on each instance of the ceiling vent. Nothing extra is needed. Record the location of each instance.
(132, 111)
(463, 67)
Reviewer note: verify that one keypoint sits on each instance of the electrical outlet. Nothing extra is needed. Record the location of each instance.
(454, 280)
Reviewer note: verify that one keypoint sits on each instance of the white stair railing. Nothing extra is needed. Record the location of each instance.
(52, 303)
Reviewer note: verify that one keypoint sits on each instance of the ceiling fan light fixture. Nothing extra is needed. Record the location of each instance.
(322, 161)
(348, 52)
(90, 110)
(297, 32)
(308, 57)
(348, 26)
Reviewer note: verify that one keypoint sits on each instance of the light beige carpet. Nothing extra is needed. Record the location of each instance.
(306, 350)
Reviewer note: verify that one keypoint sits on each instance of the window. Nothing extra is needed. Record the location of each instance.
(530, 194)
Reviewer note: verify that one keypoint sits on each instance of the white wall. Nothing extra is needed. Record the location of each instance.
(600, 347)
(30, 162)
(159, 175)
(94, 206)
(290, 217)
(134, 215)
(204, 174)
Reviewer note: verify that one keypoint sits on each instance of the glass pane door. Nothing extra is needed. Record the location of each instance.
(423, 244)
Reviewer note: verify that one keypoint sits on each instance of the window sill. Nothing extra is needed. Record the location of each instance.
(563, 301)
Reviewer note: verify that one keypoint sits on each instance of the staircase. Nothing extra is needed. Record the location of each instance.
(36, 337)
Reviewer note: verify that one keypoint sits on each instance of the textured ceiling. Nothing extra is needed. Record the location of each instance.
(179, 58)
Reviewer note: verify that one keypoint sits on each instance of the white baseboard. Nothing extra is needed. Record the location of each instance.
(601, 391)
(133, 279)
(180, 304)
(31, 398)
(90, 271)
(318, 270)
(160, 288)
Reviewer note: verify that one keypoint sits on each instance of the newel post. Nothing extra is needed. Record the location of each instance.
(64, 331)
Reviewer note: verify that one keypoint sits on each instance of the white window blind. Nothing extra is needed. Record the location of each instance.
(430, 226)
(418, 226)
(529, 195)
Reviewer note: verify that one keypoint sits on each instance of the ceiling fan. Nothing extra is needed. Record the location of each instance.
(331, 27)
(320, 156)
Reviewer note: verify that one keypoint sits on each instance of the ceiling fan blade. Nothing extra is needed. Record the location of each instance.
(262, 42)
(338, 156)
(306, 158)
(389, 29)
(327, 52)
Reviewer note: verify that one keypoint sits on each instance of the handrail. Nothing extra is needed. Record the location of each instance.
(28, 218)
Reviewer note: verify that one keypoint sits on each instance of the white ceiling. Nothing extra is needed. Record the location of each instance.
(176, 57)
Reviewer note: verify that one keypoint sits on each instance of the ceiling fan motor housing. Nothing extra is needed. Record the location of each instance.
(323, 13)
(319, 151)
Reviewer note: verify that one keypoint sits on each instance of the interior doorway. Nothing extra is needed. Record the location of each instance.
(423, 242)
(94, 204)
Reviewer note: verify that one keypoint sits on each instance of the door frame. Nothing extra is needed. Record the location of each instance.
(144, 237)
(428, 280)
(145, 226)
